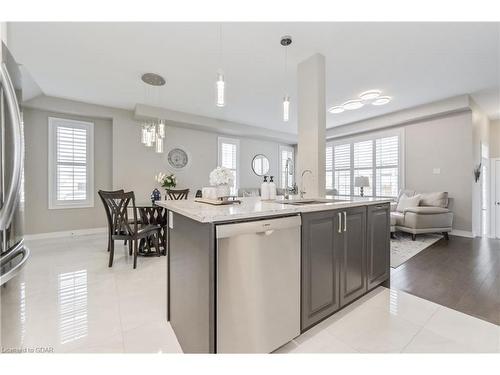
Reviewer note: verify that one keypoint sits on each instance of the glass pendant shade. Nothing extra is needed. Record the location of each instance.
(286, 108)
(144, 134)
(161, 129)
(220, 90)
(159, 145)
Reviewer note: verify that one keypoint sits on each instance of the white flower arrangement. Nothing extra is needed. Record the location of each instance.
(166, 181)
(221, 176)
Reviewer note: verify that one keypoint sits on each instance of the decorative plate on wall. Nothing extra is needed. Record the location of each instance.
(178, 158)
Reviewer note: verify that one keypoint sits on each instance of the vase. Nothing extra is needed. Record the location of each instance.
(223, 190)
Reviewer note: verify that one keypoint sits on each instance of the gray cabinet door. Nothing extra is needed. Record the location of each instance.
(320, 274)
(352, 249)
(378, 242)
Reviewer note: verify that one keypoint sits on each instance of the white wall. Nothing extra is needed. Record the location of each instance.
(481, 135)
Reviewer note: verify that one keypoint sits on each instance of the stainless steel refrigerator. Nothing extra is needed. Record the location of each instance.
(14, 253)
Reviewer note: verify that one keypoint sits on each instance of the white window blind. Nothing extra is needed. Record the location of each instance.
(363, 164)
(70, 164)
(342, 169)
(329, 167)
(228, 151)
(375, 156)
(286, 152)
(387, 166)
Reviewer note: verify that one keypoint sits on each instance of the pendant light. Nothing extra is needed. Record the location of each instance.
(220, 84)
(153, 131)
(285, 42)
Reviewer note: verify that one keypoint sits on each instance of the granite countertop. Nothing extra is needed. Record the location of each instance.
(255, 208)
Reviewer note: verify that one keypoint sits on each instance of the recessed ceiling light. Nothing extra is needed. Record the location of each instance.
(370, 94)
(353, 104)
(336, 109)
(382, 100)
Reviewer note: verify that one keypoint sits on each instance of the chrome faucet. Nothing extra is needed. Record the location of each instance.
(302, 191)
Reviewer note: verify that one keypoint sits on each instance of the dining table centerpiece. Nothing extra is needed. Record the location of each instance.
(166, 181)
(222, 178)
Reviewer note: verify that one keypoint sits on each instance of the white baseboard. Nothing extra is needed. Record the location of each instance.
(68, 233)
(461, 233)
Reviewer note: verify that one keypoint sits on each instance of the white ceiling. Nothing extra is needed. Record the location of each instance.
(415, 63)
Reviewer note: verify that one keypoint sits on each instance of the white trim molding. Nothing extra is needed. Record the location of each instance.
(53, 124)
(461, 233)
(67, 233)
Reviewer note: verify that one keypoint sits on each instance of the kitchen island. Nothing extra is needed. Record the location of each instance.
(327, 254)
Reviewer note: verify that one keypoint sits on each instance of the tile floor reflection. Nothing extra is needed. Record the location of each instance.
(68, 299)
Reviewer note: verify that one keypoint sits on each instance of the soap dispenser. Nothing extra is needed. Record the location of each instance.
(264, 190)
(272, 188)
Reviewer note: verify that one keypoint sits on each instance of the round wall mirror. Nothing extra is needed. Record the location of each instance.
(260, 165)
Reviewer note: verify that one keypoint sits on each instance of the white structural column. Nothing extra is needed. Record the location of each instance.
(312, 125)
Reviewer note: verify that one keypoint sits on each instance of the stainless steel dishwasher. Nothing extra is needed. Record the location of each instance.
(258, 285)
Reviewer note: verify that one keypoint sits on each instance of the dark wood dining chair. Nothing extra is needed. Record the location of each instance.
(108, 211)
(124, 229)
(177, 195)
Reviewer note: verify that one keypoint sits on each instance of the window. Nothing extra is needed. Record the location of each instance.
(71, 164)
(376, 156)
(286, 152)
(229, 157)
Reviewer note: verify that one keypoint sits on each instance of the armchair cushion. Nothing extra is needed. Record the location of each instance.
(435, 199)
(406, 202)
(422, 210)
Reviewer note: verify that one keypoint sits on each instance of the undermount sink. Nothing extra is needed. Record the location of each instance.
(299, 202)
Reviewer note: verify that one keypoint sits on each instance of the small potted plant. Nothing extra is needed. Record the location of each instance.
(166, 181)
(222, 178)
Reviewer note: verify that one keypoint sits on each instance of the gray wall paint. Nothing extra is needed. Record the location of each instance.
(444, 143)
(126, 162)
(136, 165)
(495, 139)
(38, 218)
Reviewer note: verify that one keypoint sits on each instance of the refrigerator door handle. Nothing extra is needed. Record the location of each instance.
(12, 190)
(20, 249)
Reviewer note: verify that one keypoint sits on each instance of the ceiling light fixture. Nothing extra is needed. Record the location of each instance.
(285, 42)
(352, 104)
(370, 94)
(336, 109)
(382, 100)
(220, 85)
(153, 131)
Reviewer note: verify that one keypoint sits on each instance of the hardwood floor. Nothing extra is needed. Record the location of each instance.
(462, 274)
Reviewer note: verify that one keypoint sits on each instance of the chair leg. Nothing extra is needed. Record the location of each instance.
(446, 237)
(157, 244)
(129, 248)
(111, 252)
(109, 240)
(413, 237)
(136, 250)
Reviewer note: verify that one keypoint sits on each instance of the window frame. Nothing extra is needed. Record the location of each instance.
(53, 124)
(285, 148)
(373, 136)
(236, 142)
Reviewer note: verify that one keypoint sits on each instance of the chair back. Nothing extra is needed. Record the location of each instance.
(177, 195)
(117, 203)
(106, 208)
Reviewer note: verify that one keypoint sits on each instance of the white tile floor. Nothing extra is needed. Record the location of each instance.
(68, 299)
